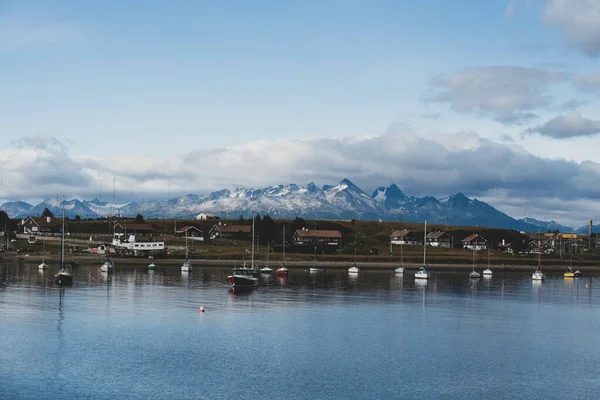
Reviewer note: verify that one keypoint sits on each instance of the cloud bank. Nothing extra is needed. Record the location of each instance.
(578, 20)
(568, 126)
(460, 161)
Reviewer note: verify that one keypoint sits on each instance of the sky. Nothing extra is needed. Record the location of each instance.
(496, 99)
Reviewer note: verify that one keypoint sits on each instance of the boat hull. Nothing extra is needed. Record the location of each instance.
(399, 270)
(577, 273)
(43, 266)
(569, 274)
(106, 267)
(242, 281)
(63, 279)
(537, 276)
(422, 275)
(474, 275)
(487, 272)
(282, 272)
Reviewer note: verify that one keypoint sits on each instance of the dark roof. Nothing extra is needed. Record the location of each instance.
(318, 233)
(135, 227)
(187, 228)
(473, 237)
(43, 221)
(402, 233)
(436, 235)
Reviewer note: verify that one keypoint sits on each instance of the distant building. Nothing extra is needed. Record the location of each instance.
(43, 225)
(474, 242)
(404, 237)
(134, 229)
(190, 231)
(505, 247)
(230, 232)
(203, 216)
(439, 239)
(317, 237)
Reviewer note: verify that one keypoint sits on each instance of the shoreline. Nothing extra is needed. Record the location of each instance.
(292, 264)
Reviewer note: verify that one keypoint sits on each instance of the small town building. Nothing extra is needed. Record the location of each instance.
(225, 231)
(317, 237)
(505, 247)
(405, 237)
(439, 239)
(40, 225)
(190, 231)
(474, 242)
(203, 216)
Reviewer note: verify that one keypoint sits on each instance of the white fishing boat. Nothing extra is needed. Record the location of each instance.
(354, 268)
(423, 272)
(151, 266)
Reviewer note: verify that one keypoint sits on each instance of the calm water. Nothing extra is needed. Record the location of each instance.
(138, 334)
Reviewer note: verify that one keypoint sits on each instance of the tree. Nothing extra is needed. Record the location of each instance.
(241, 220)
(139, 219)
(47, 213)
(77, 218)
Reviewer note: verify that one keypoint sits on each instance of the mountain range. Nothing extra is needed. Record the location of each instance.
(342, 201)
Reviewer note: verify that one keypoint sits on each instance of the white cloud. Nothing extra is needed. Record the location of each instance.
(579, 20)
(568, 126)
(507, 94)
(438, 166)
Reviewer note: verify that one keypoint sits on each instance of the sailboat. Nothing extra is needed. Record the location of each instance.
(487, 272)
(267, 270)
(354, 269)
(423, 272)
(569, 272)
(43, 265)
(63, 278)
(400, 269)
(314, 266)
(107, 266)
(186, 267)
(474, 274)
(282, 271)
(539, 275)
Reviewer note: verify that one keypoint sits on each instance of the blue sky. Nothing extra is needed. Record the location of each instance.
(201, 95)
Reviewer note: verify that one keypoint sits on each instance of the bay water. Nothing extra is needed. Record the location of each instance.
(139, 334)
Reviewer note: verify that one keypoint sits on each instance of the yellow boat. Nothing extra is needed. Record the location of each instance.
(569, 273)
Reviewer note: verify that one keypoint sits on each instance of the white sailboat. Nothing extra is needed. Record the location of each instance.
(107, 266)
(539, 275)
(43, 265)
(354, 269)
(186, 267)
(63, 277)
(267, 270)
(488, 272)
(314, 266)
(400, 269)
(282, 271)
(474, 274)
(423, 272)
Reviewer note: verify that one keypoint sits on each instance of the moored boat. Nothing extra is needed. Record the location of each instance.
(63, 277)
(423, 272)
(242, 277)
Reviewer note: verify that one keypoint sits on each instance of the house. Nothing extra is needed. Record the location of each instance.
(203, 216)
(44, 225)
(439, 239)
(134, 229)
(474, 242)
(317, 237)
(230, 232)
(190, 231)
(404, 236)
(505, 247)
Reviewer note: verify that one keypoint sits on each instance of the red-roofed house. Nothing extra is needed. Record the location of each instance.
(314, 236)
(474, 242)
(230, 232)
(439, 239)
(190, 231)
(41, 225)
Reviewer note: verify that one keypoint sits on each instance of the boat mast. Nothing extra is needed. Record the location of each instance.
(283, 263)
(62, 238)
(425, 247)
(252, 257)
(401, 252)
